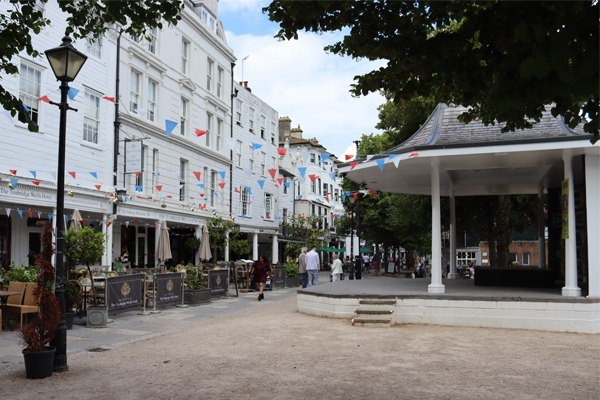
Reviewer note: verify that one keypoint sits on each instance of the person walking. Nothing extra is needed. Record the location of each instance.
(261, 270)
(336, 268)
(124, 257)
(366, 261)
(302, 267)
(312, 266)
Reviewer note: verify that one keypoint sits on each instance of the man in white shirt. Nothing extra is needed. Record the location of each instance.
(312, 266)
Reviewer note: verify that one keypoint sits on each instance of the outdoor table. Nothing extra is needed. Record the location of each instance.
(4, 295)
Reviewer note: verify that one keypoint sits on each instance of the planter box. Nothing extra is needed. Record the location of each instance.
(196, 297)
(97, 317)
(292, 282)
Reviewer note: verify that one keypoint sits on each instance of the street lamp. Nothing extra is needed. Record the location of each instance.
(66, 62)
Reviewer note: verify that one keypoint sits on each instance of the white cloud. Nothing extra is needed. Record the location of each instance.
(301, 81)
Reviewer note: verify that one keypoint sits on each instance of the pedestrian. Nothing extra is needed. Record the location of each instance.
(312, 266)
(423, 270)
(375, 260)
(124, 257)
(261, 270)
(336, 268)
(302, 267)
(366, 261)
(472, 269)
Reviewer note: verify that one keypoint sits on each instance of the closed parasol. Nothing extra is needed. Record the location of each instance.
(204, 250)
(76, 221)
(164, 245)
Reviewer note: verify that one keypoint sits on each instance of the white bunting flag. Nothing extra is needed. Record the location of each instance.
(8, 212)
(396, 161)
(369, 157)
(231, 143)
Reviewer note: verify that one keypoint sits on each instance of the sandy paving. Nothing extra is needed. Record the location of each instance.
(274, 352)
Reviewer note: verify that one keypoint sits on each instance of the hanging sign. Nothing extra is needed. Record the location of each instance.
(133, 156)
(565, 208)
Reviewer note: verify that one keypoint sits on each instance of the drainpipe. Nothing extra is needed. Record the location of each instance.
(233, 94)
(117, 122)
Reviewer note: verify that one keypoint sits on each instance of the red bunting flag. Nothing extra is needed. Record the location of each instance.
(348, 156)
(237, 191)
(327, 198)
(249, 202)
(109, 99)
(280, 180)
(72, 174)
(98, 186)
(111, 195)
(169, 197)
(36, 183)
(136, 174)
(222, 184)
(300, 200)
(272, 171)
(139, 197)
(200, 132)
(109, 223)
(313, 177)
(413, 155)
(262, 217)
(355, 196)
(197, 174)
(158, 187)
(13, 171)
(353, 164)
(45, 99)
(372, 192)
(276, 185)
(30, 214)
(201, 194)
(82, 221)
(282, 152)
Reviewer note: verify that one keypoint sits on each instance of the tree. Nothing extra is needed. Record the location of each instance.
(86, 19)
(305, 229)
(220, 233)
(503, 60)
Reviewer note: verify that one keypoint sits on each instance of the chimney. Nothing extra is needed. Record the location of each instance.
(285, 124)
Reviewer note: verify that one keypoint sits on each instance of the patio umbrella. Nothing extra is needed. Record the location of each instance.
(76, 220)
(204, 250)
(365, 250)
(164, 245)
(342, 250)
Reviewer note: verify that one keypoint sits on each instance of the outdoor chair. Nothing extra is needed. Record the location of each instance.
(28, 306)
(16, 299)
(111, 273)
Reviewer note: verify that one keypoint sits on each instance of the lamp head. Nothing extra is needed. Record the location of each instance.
(66, 61)
(71, 193)
(192, 208)
(115, 200)
(163, 205)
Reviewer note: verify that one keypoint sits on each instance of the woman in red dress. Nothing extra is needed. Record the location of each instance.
(261, 269)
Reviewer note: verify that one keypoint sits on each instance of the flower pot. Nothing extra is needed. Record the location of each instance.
(196, 297)
(69, 318)
(39, 364)
(292, 282)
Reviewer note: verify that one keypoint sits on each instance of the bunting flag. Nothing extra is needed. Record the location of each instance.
(301, 180)
(197, 174)
(222, 173)
(348, 156)
(109, 223)
(26, 109)
(14, 182)
(73, 93)
(372, 192)
(249, 190)
(305, 155)
(222, 184)
(8, 212)
(36, 183)
(313, 177)
(287, 185)
(169, 126)
(281, 151)
(248, 173)
(138, 174)
(34, 173)
(109, 99)
(140, 111)
(380, 162)
(256, 146)
(72, 174)
(231, 143)
(98, 186)
(324, 156)
(49, 217)
(215, 194)
(302, 171)
(413, 155)
(280, 180)
(299, 196)
(327, 198)
(20, 213)
(94, 174)
(392, 156)
(201, 185)
(30, 214)
(355, 195)
(261, 183)
(237, 191)
(200, 132)
(158, 187)
(369, 157)
(396, 161)
(353, 164)
(139, 188)
(272, 171)
(332, 175)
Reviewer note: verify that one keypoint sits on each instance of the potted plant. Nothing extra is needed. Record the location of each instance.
(118, 266)
(72, 298)
(192, 244)
(21, 274)
(195, 293)
(37, 334)
(291, 272)
(222, 232)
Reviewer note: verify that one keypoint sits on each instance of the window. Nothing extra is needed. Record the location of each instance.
(91, 117)
(273, 163)
(313, 210)
(251, 158)
(213, 185)
(151, 100)
(262, 126)
(238, 154)
(205, 16)
(238, 111)
(135, 38)
(513, 258)
(272, 132)
(219, 82)
(29, 90)
(183, 116)
(154, 166)
(94, 46)
(268, 200)
(313, 186)
(312, 158)
(284, 214)
(325, 186)
(244, 199)
(526, 259)
(319, 185)
(251, 119)
(299, 187)
(263, 160)
(285, 189)
(182, 175)
(205, 175)
(152, 40)
(219, 133)
(184, 56)
(337, 195)
(209, 122)
(209, 73)
(134, 91)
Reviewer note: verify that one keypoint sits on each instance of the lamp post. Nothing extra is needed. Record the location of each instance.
(352, 200)
(66, 62)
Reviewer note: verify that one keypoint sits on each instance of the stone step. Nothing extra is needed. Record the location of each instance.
(378, 302)
(374, 312)
(373, 321)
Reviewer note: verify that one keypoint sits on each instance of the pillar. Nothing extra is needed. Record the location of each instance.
(105, 261)
(570, 289)
(436, 285)
(592, 193)
(109, 241)
(157, 228)
(452, 274)
(275, 252)
(198, 234)
(541, 228)
(255, 246)
(227, 245)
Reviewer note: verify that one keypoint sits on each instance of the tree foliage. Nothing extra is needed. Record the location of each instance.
(505, 60)
(307, 230)
(85, 19)
(220, 231)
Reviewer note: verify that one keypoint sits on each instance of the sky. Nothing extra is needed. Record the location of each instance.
(298, 79)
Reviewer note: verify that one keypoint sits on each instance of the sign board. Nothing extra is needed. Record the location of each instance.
(565, 208)
(168, 289)
(278, 278)
(218, 282)
(124, 293)
(133, 156)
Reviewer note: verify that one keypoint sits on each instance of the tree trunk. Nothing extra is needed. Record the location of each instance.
(378, 268)
(492, 249)
(92, 281)
(503, 229)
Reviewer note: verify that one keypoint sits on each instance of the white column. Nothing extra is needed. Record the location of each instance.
(436, 285)
(227, 245)
(275, 250)
(255, 246)
(452, 274)
(541, 228)
(104, 260)
(592, 192)
(570, 289)
(198, 234)
(109, 241)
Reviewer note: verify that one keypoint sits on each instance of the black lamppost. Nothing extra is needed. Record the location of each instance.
(66, 62)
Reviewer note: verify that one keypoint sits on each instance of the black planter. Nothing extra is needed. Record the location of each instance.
(69, 318)
(196, 297)
(292, 282)
(39, 365)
